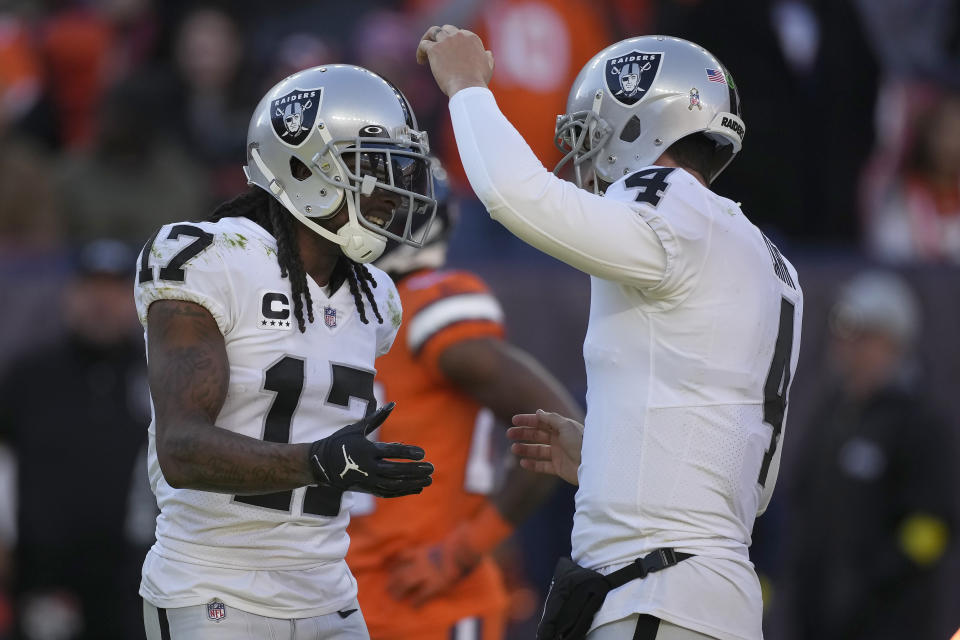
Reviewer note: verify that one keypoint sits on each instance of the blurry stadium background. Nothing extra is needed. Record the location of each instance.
(117, 116)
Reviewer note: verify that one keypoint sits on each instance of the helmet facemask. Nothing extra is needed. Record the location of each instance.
(390, 183)
(581, 136)
(386, 184)
(399, 259)
(385, 181)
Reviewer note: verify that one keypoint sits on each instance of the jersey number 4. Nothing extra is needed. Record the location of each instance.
(650, 184)
(285, 379)
(777, 384)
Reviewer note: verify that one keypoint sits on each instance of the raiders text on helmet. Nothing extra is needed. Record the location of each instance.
(635, 98)
(339, 134)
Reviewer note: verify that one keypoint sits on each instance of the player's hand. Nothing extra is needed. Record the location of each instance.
(421, 573)
(349, 461)
(457, 58)
(547, 443)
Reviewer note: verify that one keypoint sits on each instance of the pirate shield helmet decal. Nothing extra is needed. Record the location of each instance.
(293, 115)
(629, 76)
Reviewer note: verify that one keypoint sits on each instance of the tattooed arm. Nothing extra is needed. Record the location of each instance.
(189, 372)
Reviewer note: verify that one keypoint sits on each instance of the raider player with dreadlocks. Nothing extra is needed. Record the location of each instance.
(261, 411)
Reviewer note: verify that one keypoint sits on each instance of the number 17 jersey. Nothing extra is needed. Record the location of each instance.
(282, 554)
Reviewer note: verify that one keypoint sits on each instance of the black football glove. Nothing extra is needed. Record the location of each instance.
(348, 461)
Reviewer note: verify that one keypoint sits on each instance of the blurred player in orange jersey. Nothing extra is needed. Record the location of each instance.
(423, 566)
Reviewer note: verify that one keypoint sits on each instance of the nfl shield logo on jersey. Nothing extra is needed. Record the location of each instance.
(216, 610)
(629, 76)
(330, 316)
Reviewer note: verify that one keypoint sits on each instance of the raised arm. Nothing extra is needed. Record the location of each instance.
(189, 373)
(602, 237)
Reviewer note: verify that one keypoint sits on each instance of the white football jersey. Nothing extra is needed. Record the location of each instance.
(282, 554)
(693, 339)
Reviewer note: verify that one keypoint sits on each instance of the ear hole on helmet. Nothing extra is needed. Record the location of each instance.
(299, 170)
(631, 130)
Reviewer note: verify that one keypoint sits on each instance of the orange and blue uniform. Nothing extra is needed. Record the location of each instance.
(441, 308)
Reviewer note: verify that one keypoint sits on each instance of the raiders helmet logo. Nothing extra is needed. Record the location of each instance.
(293, 115)
(629, 76)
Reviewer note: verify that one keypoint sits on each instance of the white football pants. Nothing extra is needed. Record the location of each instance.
(196, 623)
(632, 628)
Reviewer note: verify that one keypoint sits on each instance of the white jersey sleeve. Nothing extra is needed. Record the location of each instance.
(388, 301)
(181, 262)
(600, 236)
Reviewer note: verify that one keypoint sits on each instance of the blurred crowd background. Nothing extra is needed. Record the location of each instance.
(117, 116)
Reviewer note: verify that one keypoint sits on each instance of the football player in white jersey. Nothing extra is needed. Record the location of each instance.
(693, 335)
(262, 326)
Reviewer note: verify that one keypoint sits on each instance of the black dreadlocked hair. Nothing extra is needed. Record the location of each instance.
(258, 206)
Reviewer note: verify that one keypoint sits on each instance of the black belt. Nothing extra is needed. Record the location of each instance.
(656, 560)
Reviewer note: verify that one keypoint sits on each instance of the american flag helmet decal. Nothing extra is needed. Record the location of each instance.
(716, 75)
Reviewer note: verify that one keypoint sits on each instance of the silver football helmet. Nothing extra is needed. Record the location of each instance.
(637, 97)
(339, 134)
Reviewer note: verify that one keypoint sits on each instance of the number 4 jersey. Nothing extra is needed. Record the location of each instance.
(687, 393)
(278, 555)
(693, 338)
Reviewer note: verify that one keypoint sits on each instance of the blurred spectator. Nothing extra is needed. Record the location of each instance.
(209, 99)
(912, 192)
(290, 31)
(393, 31)
(540, 47)
(28, 215)
(20, 81)
(873, 506)
(86, 47)
(920, 38)
(133, 179)
(31, 256)
(75, 416)
(792, 60)
(299, 51)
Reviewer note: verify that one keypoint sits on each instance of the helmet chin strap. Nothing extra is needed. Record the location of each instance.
(357, 242)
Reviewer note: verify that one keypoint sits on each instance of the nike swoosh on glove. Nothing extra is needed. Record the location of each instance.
(349, 461)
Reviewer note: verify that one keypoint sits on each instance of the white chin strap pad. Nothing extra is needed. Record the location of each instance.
(359, 244)
(367, 185)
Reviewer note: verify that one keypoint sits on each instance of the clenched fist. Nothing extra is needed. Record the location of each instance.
(457, 58)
